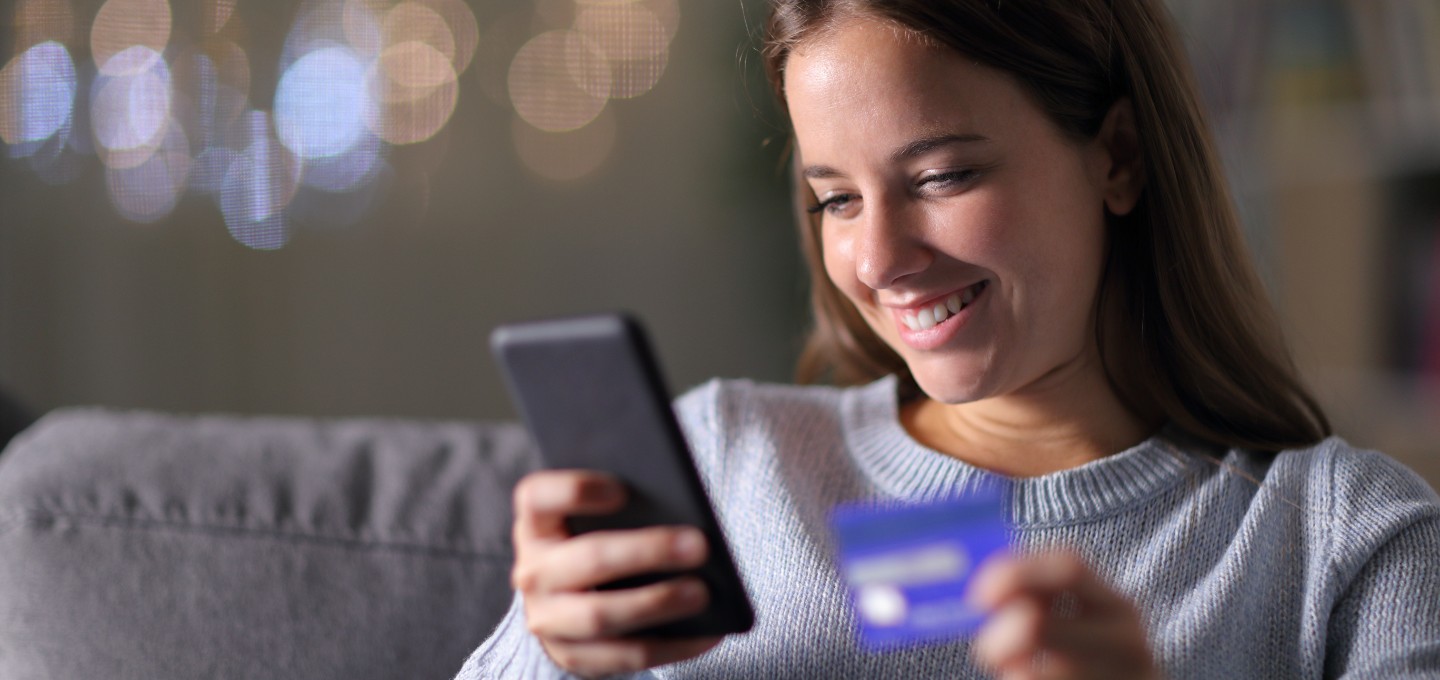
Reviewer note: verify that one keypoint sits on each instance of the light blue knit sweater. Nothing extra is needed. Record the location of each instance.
(1317, 563)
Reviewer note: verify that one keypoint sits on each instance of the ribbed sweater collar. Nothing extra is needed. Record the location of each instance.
(906, 469)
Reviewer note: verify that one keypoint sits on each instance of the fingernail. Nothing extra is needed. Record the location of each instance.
(689, 545)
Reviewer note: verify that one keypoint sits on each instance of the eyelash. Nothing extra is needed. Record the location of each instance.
(827, 204)
(952, 177)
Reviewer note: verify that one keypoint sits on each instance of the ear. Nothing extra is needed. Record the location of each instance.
(1124, 170)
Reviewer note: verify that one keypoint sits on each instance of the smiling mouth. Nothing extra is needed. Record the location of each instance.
(928, 317)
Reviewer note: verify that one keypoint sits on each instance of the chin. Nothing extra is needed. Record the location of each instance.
(950, 389)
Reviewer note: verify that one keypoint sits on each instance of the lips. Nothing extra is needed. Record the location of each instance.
(928, 316)
(930, 325)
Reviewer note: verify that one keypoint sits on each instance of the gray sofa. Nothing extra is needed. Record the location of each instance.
(147, 546)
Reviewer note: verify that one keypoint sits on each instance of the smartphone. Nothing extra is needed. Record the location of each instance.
(591, 394)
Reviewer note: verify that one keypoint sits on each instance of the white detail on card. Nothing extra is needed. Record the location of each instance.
(929, 564)
(881, 606)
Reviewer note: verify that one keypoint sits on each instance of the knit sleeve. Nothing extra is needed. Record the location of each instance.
(1385, 547)
(512, 652)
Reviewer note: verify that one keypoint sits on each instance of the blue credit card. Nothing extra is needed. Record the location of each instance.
(908, 565)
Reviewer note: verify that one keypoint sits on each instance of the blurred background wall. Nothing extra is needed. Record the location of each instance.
(190, 222)
(378, 298)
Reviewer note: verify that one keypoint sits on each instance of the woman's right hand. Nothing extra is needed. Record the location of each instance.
(581, 628)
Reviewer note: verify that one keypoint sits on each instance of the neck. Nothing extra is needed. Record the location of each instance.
(1066, 419)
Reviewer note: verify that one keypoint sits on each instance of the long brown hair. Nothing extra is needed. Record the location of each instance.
(1196, 341)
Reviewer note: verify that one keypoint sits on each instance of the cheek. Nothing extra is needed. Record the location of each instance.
(839, 256)
(985, 230)
(1057, 240)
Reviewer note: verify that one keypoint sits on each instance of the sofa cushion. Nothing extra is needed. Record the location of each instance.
(139, 545)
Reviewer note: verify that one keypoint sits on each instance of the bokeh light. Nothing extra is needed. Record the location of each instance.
(633, 39)
(60, 159)
(130, 110)
(364, 91)
(123, 25)
(217, 80)
(258, 186)
(415, 88)
(360, 22)
(148, 191)
(623, 31)
(413, 21)
(559, 81)
(320, 24)
(349, 171)
(565, 156)
(464, 31)
(37, 96)
(322, 102)
(210, 168)
(668, 12)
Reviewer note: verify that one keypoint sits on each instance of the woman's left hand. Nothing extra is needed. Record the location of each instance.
(1052, 617)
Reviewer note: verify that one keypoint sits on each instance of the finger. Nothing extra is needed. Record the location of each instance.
(1046, 575)
(1034, 659)
(1066, 572)
(544, 499)
(1010, 638)
(1104, 647)
(996, 582)
(1047, 666)
(1026, 638)
(599, 557)
(624, 656)
(613, 613)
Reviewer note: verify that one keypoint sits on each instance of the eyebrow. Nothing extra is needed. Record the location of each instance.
(918, 147)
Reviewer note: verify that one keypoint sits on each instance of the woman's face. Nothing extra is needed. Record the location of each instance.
(964, 226)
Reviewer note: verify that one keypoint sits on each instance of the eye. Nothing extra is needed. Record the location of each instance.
(948, 180)
(835, 204)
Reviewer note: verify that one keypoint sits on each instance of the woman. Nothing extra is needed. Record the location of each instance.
(1025, 264)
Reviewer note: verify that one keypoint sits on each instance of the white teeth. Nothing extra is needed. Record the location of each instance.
(926, 318)
(929, 317)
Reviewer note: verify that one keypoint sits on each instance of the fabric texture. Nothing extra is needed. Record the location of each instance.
(1313, 563)
(137, 545)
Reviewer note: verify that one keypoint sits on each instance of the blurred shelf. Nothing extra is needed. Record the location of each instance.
(1327, 116)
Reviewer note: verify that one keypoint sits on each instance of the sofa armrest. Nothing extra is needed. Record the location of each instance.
(139, 545)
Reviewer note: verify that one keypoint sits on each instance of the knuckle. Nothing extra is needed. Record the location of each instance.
(565, 656)
(688, 595)
(524, 578)
(665, 596)
(535, 622)
(596, 555)
(594, 622)
(655, 546)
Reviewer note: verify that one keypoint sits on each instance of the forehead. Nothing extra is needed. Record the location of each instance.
(872, 74)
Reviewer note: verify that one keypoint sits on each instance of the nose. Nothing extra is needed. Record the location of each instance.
(887, 246)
